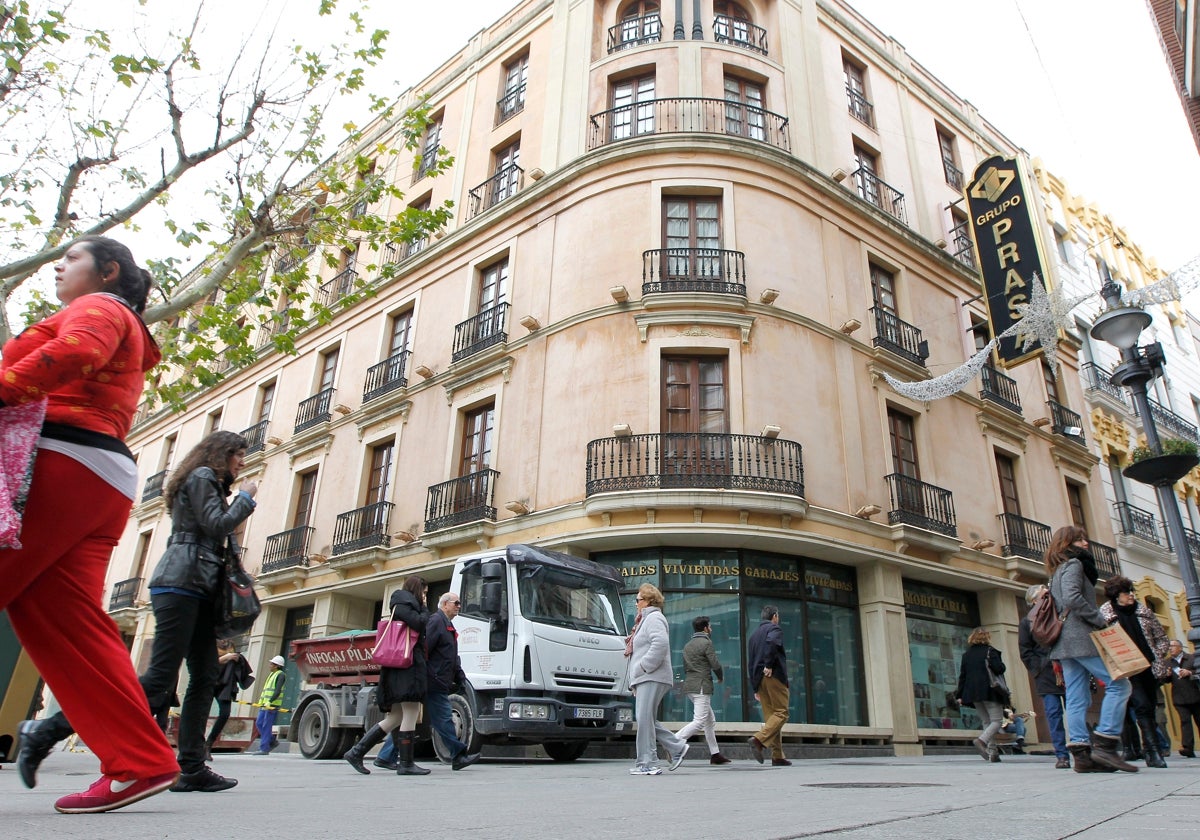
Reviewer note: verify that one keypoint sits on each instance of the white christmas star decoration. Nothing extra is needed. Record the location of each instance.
(1044, 315)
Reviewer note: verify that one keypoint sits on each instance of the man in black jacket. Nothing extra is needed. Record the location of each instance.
(445, 676)
(768, 678)
(1046, 678)
(1185, 695)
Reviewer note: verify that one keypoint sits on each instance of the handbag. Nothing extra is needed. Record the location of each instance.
(240, 606)
(20, 427)
(395, 642)
(996, 681)
(1045, 622)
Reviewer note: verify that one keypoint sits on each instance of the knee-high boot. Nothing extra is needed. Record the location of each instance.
(1150, 744)
(358, 752)
(405, 747)
(38, 737)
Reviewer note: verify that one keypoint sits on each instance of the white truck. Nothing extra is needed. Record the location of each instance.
(541, 636)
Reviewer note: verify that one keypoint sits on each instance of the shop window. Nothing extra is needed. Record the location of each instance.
(939, 621)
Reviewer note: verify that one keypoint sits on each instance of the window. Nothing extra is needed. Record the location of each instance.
(694, 398)
(379, 478)
(744, 109)
(400, 333)
(632, 108)
(143, 554)
(329, 360)
(640, 24)
(883, 289)
(1006, 470)
(429, 148)
(507, 174)
(1061, 246)
(478, 428)
(1075, 502)
(961, 247)
(214, 421)
(168, 452)
(512, 98)
(954, 176)
(732, 24)
(417, 245)
(856, 92)
(866, 176)
(903, 438)
(692, 238)
(1051, 382)
(306, 494)
(493, 285)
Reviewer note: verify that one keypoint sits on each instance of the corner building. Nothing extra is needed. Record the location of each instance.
(689, 239)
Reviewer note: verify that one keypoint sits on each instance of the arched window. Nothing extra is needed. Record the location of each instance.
(640, 23)
(733, 25)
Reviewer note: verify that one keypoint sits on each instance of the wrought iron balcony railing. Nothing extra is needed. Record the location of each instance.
(860, 107)
(694, 270)
(887, 198)
(428, 160)
(916, 503)
(740, 33)
(1106, 560)
(256, 437)
(154, 486)
(695, 461)
(633, 32)
(1065, 422)
(359, 209)
(287, 549)
(124, 594)
(511, 104)
(362, 528)
(506, 183)
(292, 256)
(1024, 537)
(954, 176)
(1193, 544)
(461, 500)
(385, 377)
(688, 114)
(1170, 424)
(1097, 378)
(899, 337)
(314, 410)
(962, 248)
(481, 332)
(1000, 389)
(341, 285)
(1135, 522)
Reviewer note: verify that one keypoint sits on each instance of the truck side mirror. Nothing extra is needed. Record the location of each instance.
(491, 598)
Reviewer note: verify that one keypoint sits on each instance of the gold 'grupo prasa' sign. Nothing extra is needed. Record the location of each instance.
(1004, 225)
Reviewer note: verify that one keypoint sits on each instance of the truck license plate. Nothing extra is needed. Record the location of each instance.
(591, 714)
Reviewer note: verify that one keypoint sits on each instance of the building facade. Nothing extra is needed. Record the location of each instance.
(690, 239)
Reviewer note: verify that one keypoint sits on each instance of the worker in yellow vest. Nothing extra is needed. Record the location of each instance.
(269, 701)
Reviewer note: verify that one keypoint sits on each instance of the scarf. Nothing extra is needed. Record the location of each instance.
(1087, 561)
(1128, 619)
(629, 639)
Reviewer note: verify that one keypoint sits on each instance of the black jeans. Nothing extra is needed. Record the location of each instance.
(185, 631)
(223, 709)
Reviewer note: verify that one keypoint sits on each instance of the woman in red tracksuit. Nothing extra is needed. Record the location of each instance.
(89, 361)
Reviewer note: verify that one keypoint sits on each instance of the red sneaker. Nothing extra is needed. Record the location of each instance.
(108, 794)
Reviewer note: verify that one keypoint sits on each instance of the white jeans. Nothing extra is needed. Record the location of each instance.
(702, 719)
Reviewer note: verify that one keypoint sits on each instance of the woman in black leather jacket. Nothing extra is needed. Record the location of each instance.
(184, 593)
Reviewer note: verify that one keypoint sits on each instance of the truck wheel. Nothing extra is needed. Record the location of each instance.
(317, 739)
(463, 718)
(565, 750)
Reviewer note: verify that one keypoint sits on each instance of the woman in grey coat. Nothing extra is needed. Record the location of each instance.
(1073, 579)
(650, 678)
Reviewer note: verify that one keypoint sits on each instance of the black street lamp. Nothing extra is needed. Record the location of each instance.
(1120, 326)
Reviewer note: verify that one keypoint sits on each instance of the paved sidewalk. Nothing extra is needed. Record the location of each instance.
(934, 798)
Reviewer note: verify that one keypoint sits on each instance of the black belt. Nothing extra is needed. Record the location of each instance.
(192, 539)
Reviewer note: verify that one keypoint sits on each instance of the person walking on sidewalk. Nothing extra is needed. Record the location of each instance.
(444, 677)
(1047, 680)
(700, 663)
(650, 678)
(769, 679)
(1185, 695)
(979, 662)
(1073, 576)
(235, 675)
(270, 701)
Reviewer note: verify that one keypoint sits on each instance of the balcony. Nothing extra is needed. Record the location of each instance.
(511, 104)
(124, 594)
(877, 192)
(633, 32)
(385, 377)
(923, 505)
(687, 115)
(287, 549)
(740, 33)
(695, 461)
(899, 337)
(963, 249)
(710, 270)
(1024, 537)
(860, 107)
(485, 330)
(1000, 389)
(256, 437)
(954, 175)
(1170, 424)
(506, 183)
(314, 411)
(362, 528)
(343, 284)
(461, 500)
(1096, 378)
(292, 257)
(1135, 522)
(1106, 560)
(1065, 422)
(359, 209)
(153, 488)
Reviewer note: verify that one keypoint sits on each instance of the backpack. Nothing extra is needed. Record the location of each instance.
(1044, 620)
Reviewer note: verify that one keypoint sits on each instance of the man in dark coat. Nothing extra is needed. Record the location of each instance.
(445, 676)
(1047, 679)
(1185, 695)
(768, 678)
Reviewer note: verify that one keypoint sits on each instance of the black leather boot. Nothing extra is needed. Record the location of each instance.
(1082, 756)
(1104, 752)
(38, 737)
(1150, 744)
(405, 750)
(394, 764)
(358, 752)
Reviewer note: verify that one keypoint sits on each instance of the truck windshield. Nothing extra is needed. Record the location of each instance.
(567, 599)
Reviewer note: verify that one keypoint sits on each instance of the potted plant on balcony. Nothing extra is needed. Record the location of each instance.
(1176, 459)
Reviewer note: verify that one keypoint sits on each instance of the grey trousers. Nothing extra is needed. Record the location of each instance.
(992, 715)
(646, 702)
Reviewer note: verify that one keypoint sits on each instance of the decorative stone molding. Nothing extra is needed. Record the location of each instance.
(1111, 434)
(693, 323)
(478, 375)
